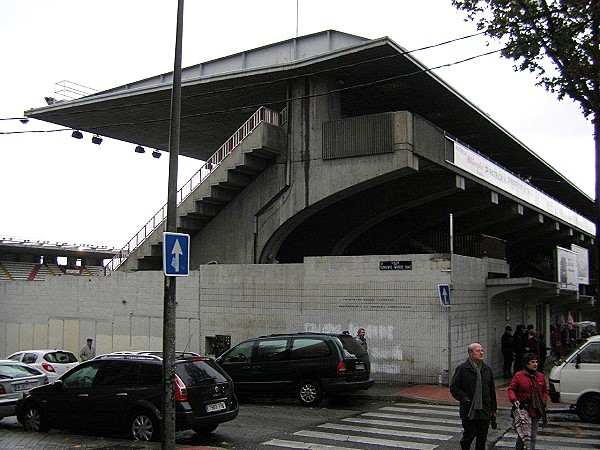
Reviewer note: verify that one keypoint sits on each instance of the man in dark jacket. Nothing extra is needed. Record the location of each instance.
(473, 386)
(508, 351)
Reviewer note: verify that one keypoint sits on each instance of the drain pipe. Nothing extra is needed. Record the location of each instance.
(288, 180)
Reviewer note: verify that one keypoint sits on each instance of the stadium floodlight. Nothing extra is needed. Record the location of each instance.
(156, 154)
(77, 134)
(140, 149)
(24, 120)
(96, 139)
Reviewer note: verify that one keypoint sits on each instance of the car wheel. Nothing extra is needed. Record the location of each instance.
(203, 430)
(35, 420)
(588, 408)
(309, 393)
(144, 426)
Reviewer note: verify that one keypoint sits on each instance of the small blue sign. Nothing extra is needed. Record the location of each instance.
(176, 254)
(444, 291)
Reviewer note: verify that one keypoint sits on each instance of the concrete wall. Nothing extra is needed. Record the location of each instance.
(407, 328)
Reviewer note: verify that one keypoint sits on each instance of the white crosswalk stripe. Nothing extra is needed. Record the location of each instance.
(565, 435)
(419, 427)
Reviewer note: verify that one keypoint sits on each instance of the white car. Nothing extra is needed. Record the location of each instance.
(51, 362)
(16, 379)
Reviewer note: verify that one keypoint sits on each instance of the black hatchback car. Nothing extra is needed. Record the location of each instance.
(308, 366)
(123, 393)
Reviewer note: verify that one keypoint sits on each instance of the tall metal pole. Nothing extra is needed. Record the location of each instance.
(169, 311)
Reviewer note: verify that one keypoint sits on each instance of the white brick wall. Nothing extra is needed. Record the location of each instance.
(407, 328)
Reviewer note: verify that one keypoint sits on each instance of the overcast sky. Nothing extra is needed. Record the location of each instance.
(61, 189)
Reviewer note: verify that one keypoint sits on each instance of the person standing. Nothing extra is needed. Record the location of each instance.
(87, 352)
(360, 338)
(508, 354)
(528, 390)
(532, 345)
(519, 339)
(473, 386)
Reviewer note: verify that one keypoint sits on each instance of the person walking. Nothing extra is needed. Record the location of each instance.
(528, 390)
(473, 386)
(360, 338)
(87, 352)
(507, 347)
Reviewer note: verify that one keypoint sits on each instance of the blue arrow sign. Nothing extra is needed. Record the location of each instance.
(444, 291)
(176, 254)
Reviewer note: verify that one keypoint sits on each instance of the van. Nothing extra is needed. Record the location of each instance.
(309, 366)
(575, 380)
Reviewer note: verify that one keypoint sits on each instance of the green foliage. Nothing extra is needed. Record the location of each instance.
(558, 41)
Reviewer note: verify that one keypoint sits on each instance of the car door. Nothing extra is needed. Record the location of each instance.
(68, 402)
(237, 362)
(113, 390)
(581, 373)
(270, 371)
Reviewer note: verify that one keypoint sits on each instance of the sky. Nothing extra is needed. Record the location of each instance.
(59, 189)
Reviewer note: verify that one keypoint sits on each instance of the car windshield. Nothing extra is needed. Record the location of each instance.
(60, 357)
(197, 372)
(17, 371)
(351, 347)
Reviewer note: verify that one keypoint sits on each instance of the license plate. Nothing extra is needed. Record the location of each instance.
(213, 407)
(24, 387)
(360, 366)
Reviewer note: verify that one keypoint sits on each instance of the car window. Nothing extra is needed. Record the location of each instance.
(193, 373)
(82, 377)
(14, 357)
(29, 358)
(240, 353)
(590, 354)
(351, 347)
(60, 357)
(271, 350)
(150, 375)
(8, 371)
(117, 373)
(308, 348)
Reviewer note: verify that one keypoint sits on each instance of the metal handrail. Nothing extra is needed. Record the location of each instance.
(261, 115)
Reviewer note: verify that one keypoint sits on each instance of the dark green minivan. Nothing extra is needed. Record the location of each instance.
(309, 366)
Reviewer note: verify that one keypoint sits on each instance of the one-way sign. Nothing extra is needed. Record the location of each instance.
(444, 291)
(176, 254)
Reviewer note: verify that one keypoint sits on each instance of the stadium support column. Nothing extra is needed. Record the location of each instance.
(169, 310)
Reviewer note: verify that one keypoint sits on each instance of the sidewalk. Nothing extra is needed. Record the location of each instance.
(438, 394)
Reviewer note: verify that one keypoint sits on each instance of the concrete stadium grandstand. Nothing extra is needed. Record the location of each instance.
(35, 260)
(345, 186)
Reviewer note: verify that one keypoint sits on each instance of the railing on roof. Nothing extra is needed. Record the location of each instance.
(261, 115)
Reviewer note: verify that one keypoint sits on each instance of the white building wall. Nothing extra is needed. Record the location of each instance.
(407, 328)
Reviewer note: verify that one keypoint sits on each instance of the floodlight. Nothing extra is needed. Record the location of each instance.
(77, 134)
(140, 149)
(96, 140)
(156, 154)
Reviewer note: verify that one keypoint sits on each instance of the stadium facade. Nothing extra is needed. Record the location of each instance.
(345, 185)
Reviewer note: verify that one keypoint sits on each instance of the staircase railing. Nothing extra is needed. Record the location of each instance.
(261, 115)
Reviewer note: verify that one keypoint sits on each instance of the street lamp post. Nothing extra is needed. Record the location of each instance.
(169, 315)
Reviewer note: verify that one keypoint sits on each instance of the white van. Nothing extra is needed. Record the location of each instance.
(575, 380)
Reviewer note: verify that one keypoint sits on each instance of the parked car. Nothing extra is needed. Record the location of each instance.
(52, 362)
(16, 379)
(124, 392)
(575, 380)
(309, 366)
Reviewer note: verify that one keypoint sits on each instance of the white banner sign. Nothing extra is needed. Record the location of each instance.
(566, 267)
(495, 175)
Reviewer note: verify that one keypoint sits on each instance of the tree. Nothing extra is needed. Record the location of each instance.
(558, 41)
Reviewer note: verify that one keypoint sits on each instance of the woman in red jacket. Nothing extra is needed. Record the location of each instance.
(528, 390)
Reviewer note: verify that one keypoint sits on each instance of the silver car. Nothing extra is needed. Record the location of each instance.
(52, 362)
(15, 380)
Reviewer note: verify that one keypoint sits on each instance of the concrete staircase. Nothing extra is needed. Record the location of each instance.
(250, 158)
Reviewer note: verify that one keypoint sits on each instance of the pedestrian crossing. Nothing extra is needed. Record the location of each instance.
(559, 435)
(415, 426)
